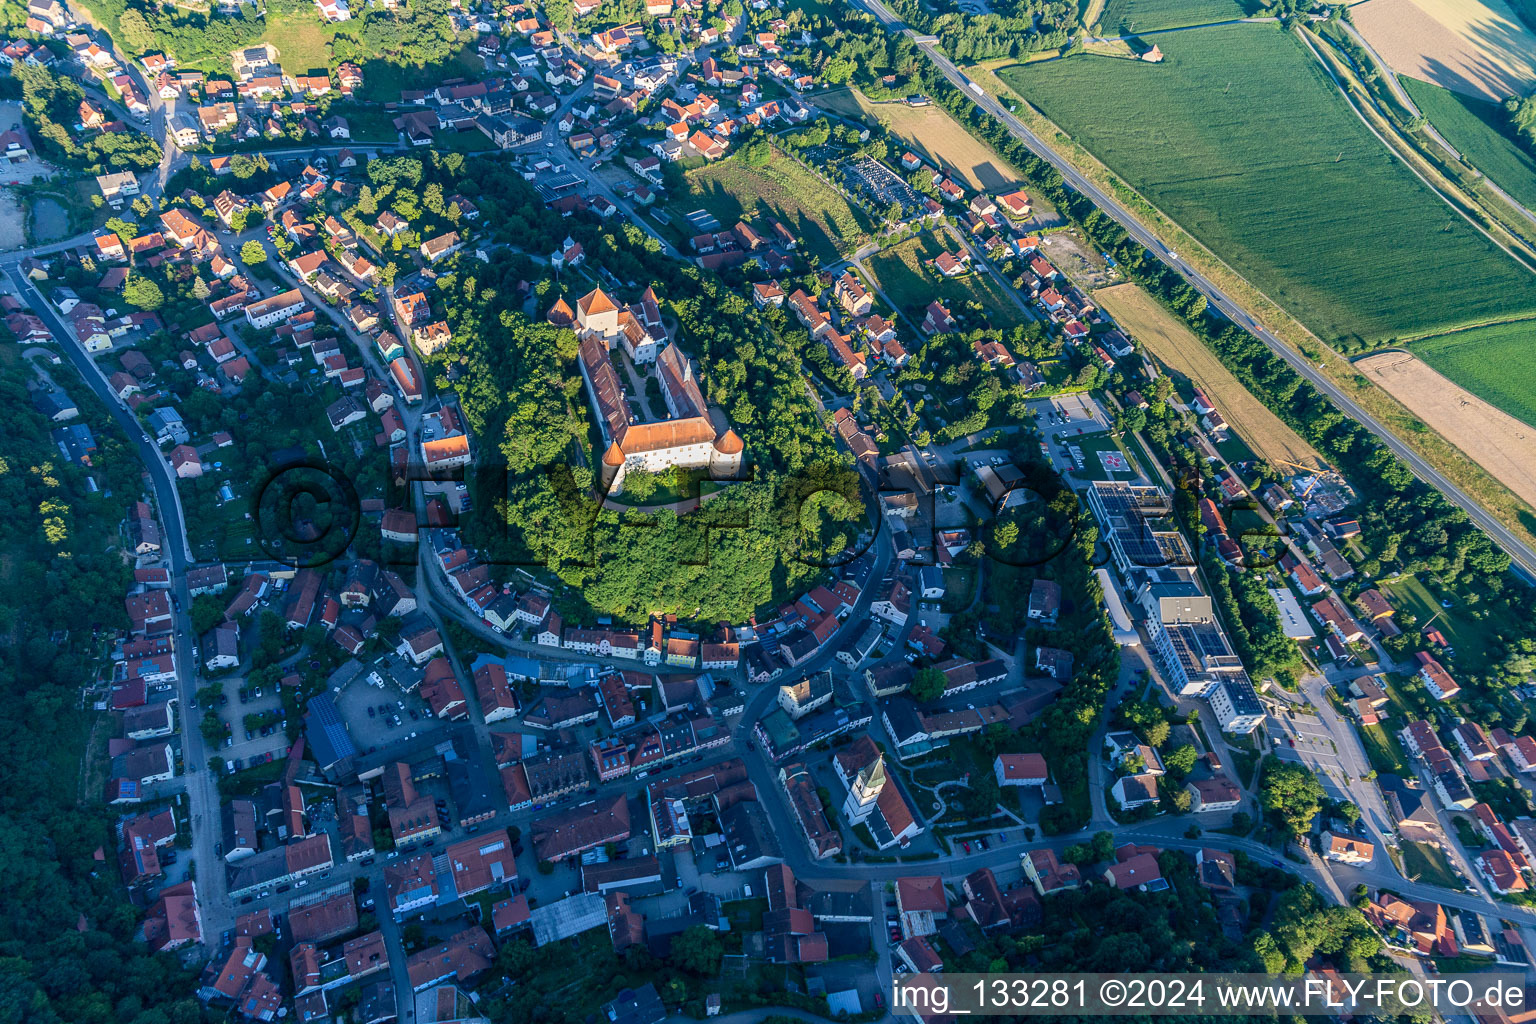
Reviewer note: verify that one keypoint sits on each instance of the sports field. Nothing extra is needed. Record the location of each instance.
(901, 273)
(1176, 346)
(816, 212)
(1296, 195)
(1476, 128)
(1127, 17)
(1497, 363)
(933, 135)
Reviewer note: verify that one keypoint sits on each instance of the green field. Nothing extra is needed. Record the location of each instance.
(1127, 17)
(1484, 359)
(901, 273)
(1428, 865)
(1239, 137)
(1476, 129)
(815, 211)
(1383, 749)
(1475, 640)
(303, 41)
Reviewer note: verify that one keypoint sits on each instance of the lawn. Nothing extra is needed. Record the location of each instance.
(1296, 196)
(959, 588)
(1476, 640)
(384, 79)
(1125, 17)
(1483, 361)
(817, 213)
(1428, 865)
(1093, 467)
(303, 41)
(1477, 129)
(471, 141)
(1382, 749)
(901, 273)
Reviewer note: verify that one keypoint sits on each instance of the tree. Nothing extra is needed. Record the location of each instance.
(1290, 794)
(697, 951)
(136, 31)
(143, 293)
(1156, 734)
(928, 685)
(1349, 813)
(640, 484)
(252, 253)
(1180, 760)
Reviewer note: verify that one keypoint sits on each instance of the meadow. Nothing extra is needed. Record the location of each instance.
(1127, 17)
(933, 135)
(816, 212)
(1476, 128)
(1239, 137)
(1174, 345)
(1495, 363)
(901, 273)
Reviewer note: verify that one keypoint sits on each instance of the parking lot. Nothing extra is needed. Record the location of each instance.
(254, 745)
(371, 713)
(1304, 738)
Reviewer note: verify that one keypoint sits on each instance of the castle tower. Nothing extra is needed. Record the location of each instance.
(725, 459)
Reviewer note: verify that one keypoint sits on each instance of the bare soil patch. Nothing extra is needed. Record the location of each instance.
(1177, 347)
(1492, 438)
(1474, 47)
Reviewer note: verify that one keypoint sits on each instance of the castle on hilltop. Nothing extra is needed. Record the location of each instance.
(693, 436)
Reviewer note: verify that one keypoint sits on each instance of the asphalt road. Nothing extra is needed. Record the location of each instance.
(1522, 555)
(199, 783)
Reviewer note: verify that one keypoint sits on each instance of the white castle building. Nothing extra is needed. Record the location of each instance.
(691, 438)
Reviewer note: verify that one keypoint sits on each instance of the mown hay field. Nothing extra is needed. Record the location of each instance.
(933, 135)
(816, 212)
(1477, 129)
(1476, 47)
(1238, 136)
(1496, 363)
(1176, 347)
(1492, 438)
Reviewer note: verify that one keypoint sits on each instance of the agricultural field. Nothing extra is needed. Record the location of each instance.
(900, 273)
(1476, 128)
(1474, 47)
(1495, 440)
(1177, 347)
(1127, 17)
(1495, 363)
(1298, 197)
(933, 135)
(816, 212)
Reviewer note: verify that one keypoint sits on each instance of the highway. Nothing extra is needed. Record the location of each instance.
(1522, 555)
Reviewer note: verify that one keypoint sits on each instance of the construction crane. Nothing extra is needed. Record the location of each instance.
(1316, 474)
